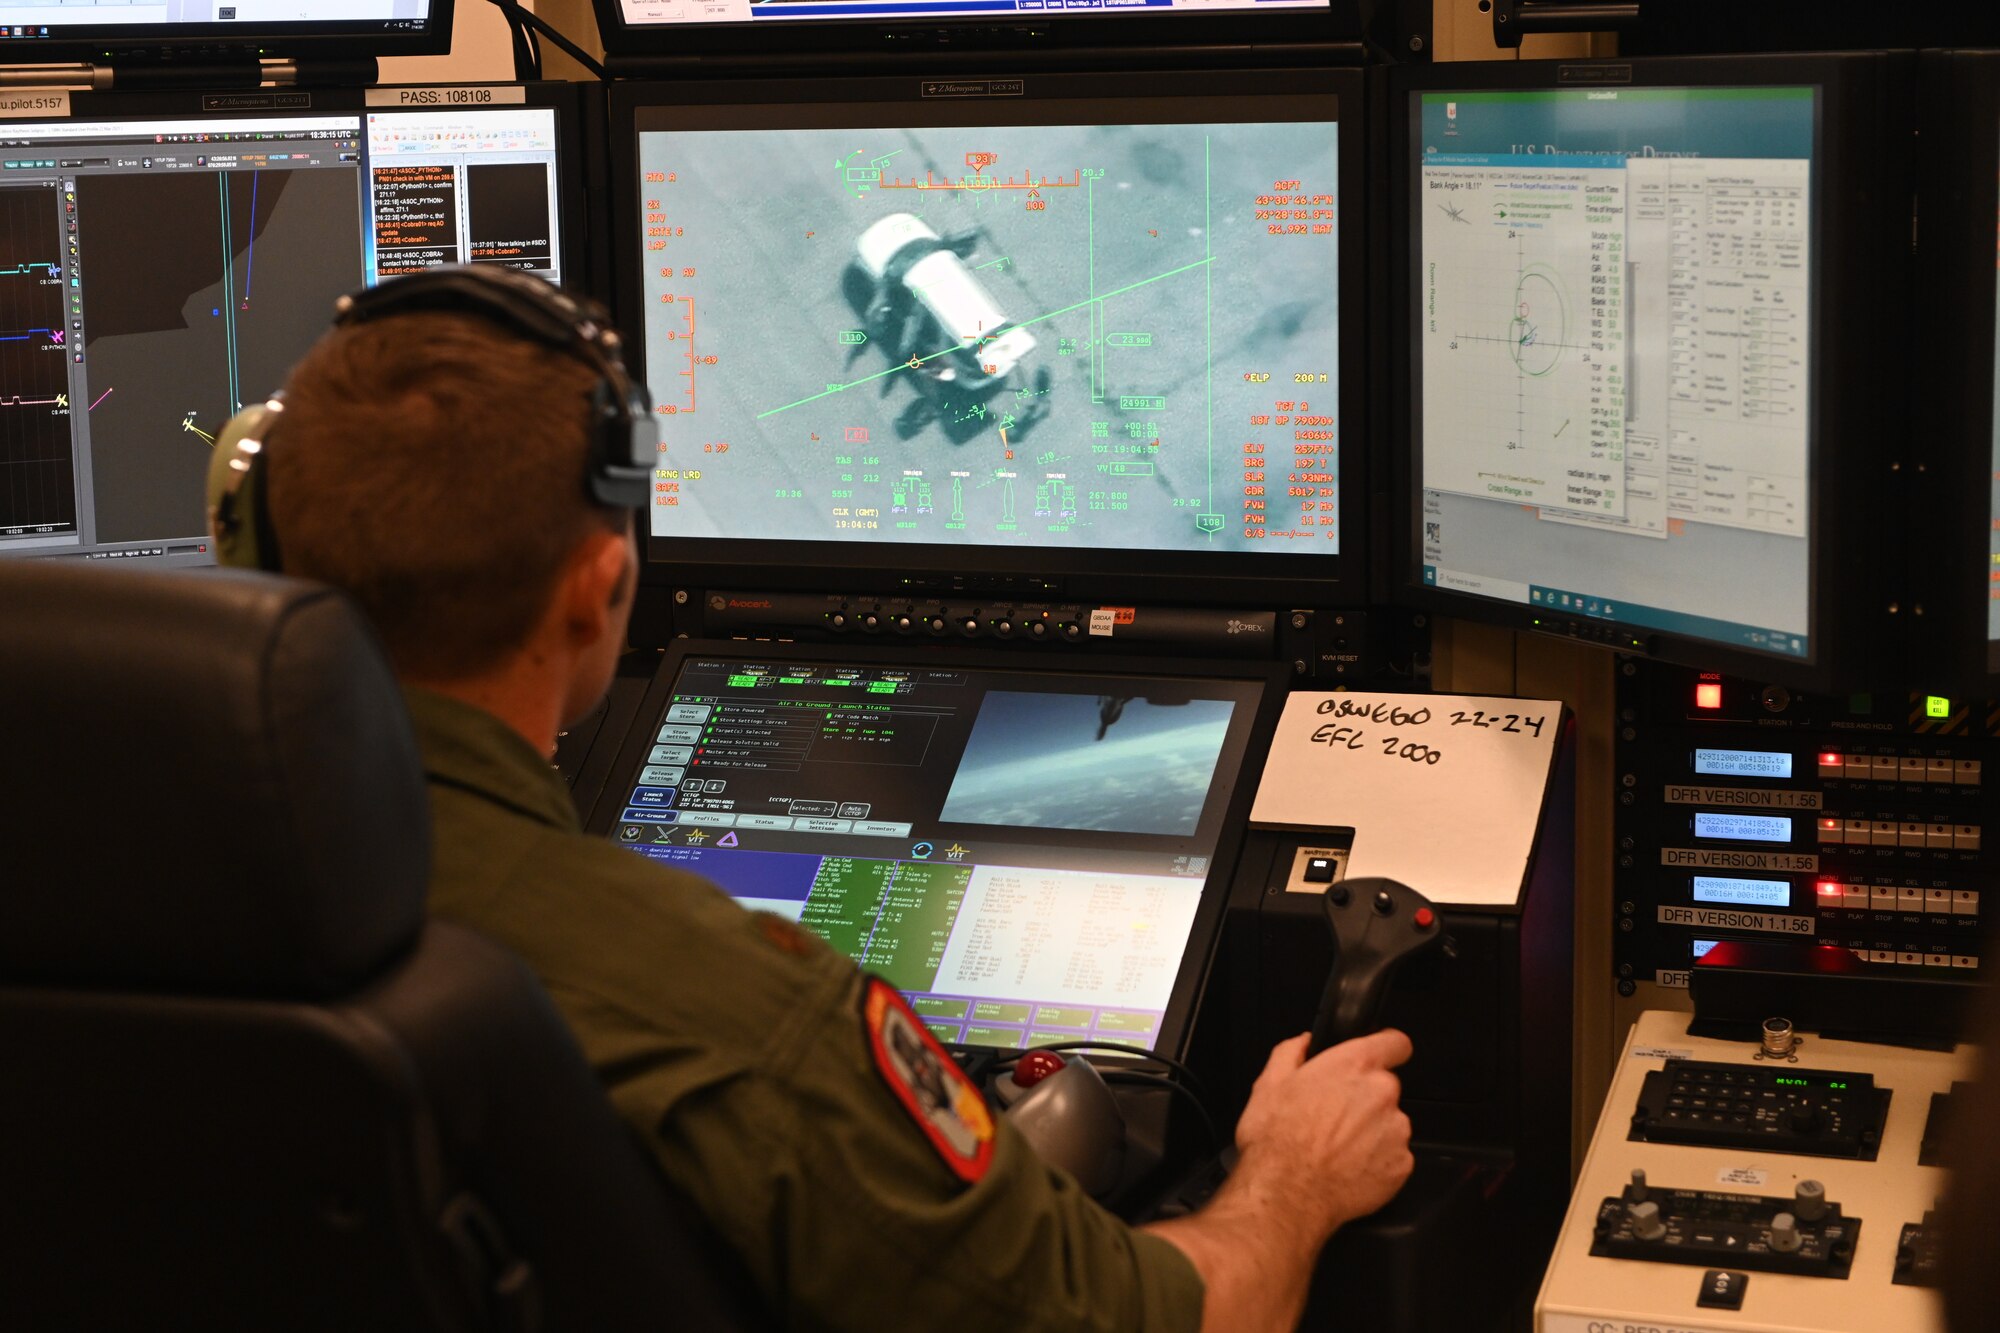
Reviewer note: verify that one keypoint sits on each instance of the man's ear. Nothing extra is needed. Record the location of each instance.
(593, 583)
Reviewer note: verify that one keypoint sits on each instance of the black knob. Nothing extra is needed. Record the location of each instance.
(1384, 904)
(1805, 1120)
(1339, 894)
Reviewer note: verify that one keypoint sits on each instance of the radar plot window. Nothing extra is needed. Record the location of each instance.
(1614, 301)
(158, 272)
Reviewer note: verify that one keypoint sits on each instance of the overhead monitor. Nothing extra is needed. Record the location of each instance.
(691, 29)
(164, 267)
(102, 30)
(1083, 329)
(1625, 326)
(1029, 855)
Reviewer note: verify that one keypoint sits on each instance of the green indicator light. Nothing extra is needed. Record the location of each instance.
(1936, 705)
(742, 682)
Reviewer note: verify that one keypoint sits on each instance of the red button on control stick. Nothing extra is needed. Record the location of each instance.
(1036, 1066)
(1423, 917)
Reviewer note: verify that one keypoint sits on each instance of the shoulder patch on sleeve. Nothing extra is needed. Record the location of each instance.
(928, 1082)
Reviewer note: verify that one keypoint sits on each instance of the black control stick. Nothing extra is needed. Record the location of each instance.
(1377, 924)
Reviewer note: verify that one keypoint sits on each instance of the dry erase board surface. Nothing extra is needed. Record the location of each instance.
(1443, 791)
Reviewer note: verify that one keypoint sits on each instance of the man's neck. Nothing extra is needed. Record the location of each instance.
(529, 708)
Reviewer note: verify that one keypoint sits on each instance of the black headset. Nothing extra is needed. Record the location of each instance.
(624, 434)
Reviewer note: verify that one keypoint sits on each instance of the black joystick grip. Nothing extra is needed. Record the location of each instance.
(1376, 924)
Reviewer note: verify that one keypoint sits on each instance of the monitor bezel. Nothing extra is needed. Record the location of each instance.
(1858, 162)
(1183, 1006)
(217, 44)
(1233, 578)
(1952, 383)
(1115, 37)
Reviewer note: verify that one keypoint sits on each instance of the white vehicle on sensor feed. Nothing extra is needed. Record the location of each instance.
(928, 310)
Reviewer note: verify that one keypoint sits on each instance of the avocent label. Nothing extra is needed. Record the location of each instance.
(1709, 918)
(1712, 858)
(1678, 794)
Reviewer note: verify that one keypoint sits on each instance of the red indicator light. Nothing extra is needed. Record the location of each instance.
(1708, 696)
(1829, 759)
(1828, 889)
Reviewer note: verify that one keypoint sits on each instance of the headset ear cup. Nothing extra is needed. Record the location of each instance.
(239, 525)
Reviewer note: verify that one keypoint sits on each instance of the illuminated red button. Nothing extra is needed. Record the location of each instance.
(1424, 917)
(1036, 1066)
(1708, 695)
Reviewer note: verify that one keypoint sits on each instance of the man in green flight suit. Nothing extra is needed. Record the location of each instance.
(433, 465)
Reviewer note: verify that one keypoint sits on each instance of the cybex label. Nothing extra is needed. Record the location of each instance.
(1743, 796)
(1709, 918)
(1708, 858)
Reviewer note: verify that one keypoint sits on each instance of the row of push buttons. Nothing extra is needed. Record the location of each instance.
(1890, 833)
(1890, 898)
(1900, 768)
(1917, 959)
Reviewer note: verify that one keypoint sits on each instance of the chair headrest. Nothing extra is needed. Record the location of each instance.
(213, 785)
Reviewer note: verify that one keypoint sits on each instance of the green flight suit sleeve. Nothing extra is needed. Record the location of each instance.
(848, 1218)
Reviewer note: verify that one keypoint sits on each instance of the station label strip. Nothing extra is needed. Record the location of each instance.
(1709, 858)
(1744, 797)
(1710, 918)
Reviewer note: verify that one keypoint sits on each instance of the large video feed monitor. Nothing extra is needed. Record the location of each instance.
(684, 29)
(1029, 855)
(164, 267)
(1082, 330)
(99, 30)
(1631, 304)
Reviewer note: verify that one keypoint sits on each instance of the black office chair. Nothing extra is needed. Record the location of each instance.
(243, 1083)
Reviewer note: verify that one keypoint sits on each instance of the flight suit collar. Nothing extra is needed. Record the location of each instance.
(470, 749)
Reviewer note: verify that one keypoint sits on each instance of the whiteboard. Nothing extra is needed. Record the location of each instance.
(1443, 791)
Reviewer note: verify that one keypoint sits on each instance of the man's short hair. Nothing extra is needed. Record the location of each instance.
(431, 465)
